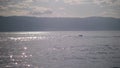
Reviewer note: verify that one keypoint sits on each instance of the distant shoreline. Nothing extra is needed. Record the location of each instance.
(21, 23)
(58, 30)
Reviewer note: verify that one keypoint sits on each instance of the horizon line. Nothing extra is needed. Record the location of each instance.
(63, 17)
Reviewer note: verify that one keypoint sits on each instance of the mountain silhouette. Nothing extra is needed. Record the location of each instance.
(22, 23)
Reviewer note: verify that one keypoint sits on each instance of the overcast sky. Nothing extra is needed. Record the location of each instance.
(60, 8)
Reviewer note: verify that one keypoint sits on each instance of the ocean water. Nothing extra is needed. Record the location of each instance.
(60, 49)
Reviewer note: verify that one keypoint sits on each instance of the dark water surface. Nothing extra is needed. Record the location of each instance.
(67, 49)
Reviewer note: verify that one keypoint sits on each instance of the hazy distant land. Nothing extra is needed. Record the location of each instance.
(21, 23)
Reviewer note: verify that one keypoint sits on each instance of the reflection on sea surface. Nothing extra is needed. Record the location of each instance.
(14, 56)
(60, 50)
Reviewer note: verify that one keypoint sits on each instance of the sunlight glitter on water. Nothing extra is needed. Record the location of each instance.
(60, 50)
(41, 33)
(26, 38)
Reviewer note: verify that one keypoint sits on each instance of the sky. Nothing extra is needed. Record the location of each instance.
(60, 8)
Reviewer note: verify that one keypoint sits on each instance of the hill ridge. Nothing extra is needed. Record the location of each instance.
(24, 23)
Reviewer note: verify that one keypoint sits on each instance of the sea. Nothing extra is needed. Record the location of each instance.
(60, 49)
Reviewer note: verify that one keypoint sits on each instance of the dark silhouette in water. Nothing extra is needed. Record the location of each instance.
(80, 35)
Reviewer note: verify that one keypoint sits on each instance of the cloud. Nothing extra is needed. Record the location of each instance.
(15, 13)
(24, 7)
(36, 11)
(12, 5)
(111, 14)
(40, 11)
(3, 0)
(107, 2)
(41, 0)
(19, 13)
(28, 1)
(76, 2)
(3, 8)
(59, 8)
